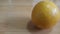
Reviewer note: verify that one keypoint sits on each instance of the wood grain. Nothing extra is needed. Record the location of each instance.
(15, 16)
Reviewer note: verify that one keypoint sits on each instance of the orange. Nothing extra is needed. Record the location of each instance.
(45, 14)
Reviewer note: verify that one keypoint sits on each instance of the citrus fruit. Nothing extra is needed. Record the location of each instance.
(45, 14)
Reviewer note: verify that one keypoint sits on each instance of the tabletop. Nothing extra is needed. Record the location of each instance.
(15, 18)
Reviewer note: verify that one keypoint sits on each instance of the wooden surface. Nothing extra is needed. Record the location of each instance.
(15, 18)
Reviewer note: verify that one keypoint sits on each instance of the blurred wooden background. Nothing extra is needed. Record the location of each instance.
(14, 16)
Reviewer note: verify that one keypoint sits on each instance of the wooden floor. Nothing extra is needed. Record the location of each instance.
(15, 16)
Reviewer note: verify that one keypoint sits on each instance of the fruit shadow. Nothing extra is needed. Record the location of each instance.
(35, 30)
(23, 23)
